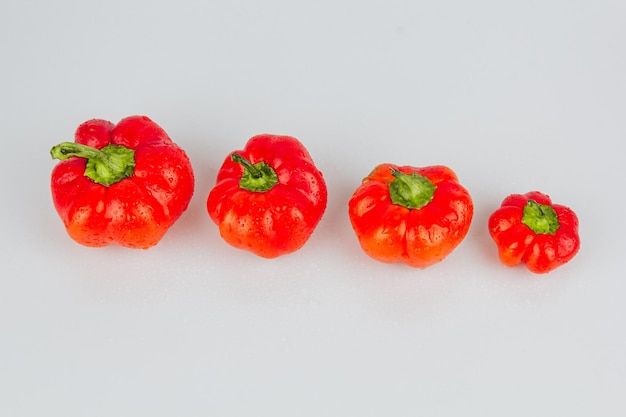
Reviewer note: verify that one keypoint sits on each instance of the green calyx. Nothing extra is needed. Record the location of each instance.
(541, 218)
(105, 166)
(258, 178)
(412, 191)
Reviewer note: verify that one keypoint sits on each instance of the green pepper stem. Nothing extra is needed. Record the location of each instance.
(66, 150)
(254, 171)
(412, 191)
(259, 177)
(541, 218)
(104, 166)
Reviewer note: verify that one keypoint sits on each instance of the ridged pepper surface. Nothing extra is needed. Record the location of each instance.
(408, 214)
(124, 184)
(268, 197)
(529, 228)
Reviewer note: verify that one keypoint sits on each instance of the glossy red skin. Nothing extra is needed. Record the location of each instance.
(136, 211)
(518, 243)
(418, 237)
(274, 222)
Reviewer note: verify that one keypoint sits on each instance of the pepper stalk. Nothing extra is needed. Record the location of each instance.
(412, 191)
(541, 218)
(259, 177)
(104, 166)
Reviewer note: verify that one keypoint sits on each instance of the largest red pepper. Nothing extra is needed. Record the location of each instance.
(125, 183)
(269, 196)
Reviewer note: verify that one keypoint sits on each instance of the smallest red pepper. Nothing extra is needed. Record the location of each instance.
(529, 228)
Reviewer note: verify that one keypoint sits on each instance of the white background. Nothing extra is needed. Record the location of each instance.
(513, 95)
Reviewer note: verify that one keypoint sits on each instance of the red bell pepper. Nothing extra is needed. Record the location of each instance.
(529, 228)
(125, 183)
(268, 197)
(413, 215)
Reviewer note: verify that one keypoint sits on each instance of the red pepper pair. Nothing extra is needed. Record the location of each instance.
(128, 183)
(420, 215)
